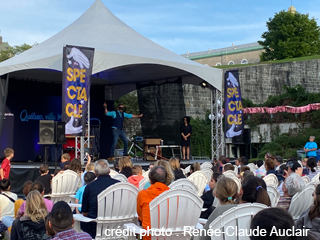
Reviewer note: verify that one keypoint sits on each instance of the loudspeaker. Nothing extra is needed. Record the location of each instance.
(60, 137)
(46, 132)
(51, 132)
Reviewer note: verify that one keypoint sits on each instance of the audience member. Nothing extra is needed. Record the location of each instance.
(208, 196)
(65, 158)
(242, 170)
(151, 166)
(244, 161)
(169, 172)
(76, 166)
(158, 179)
(7, 200)
(261, 171)
(312, 167)
(310, 219)
(254, 189)
(89, 168)
(61, 221)
(89, 202)
(137, 175)
(194, 167)
(45, 178)
(226, 190)
(40, 188)
(32, 225)
(175, 164)
(67, 166)
(247, 173)
(228, 167)
(125, 166)
(269, 165)
(6, 165)
(293, 167)
(292, 185)
(88, 178)
(222, 161)
(278, 161)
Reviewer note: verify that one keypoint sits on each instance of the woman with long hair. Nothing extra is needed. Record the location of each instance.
(125, 166)
(175, 164)
(312, 167)
(32, 225)
(185, 131)
(76, 166)
(310, 219)
(226, 190)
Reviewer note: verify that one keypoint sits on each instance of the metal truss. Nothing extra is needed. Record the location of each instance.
(217, 135)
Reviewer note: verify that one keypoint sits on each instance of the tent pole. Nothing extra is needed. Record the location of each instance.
(4, 84)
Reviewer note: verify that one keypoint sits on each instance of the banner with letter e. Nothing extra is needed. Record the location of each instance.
(233, 110)
(76, 82)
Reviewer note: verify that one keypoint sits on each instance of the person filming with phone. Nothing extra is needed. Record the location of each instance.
(310, 148)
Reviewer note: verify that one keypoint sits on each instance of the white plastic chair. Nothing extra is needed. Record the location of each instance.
(184, 183)
(300, 163)
(208, 172)
(200, 180)
(206, 165)
(238, 182)
(187, 169)
(121, 177)
(271, 179)
(315, 179)
(113, 173)
(306, 179)
(230, 174)
(302, 201)
(142, 182)
(170, 211)
(146, 174)
(239, 216)
(236, 170)
(184, 171)
(116, 206)
(63, 185)
(274, 195)
(252, 167)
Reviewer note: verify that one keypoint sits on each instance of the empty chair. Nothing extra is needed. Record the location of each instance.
(113, 173)
(121, 177)
(315, 179)
(184, 183)
(63, 185)
(206, 165)
(170, 210)
(274, 195)
(302, 201)
(116, 206)
(271, 179)
(200, 180)
(239, 216)
(208, 172)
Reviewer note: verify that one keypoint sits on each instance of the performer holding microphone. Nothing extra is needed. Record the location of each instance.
(117, 128)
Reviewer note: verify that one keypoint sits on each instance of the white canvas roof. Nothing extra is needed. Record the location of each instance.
(122, 57)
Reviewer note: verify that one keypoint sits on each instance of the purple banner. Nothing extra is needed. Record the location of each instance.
(76, 82)
(233, 110)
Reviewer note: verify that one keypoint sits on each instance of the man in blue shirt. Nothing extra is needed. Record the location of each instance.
(311, 147)
(117, 128)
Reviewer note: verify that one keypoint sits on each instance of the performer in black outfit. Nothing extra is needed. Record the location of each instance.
(186, 130)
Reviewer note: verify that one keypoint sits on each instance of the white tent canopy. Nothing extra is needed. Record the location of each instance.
(122, 57)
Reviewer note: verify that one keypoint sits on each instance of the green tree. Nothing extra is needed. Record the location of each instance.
(290, 35)
(13, 51)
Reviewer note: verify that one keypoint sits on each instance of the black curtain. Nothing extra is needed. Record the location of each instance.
(4, 83)
(163, 107)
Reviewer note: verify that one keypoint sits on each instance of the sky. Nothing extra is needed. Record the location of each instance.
(178, 25)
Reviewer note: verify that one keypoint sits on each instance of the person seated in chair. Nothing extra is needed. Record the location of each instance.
(157, 177)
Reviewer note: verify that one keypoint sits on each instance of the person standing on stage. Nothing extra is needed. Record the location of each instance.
(6, 165)
(310, 148)
(186, 131)
(117, 128)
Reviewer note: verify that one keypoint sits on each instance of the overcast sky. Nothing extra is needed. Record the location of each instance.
(179, 25)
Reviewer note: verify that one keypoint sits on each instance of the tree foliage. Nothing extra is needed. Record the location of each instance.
(290, 35)
(13, 51)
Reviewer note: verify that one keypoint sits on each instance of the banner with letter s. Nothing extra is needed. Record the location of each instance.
(233, 110)
(76, 82)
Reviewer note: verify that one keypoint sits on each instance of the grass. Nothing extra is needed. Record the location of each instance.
(271, 62)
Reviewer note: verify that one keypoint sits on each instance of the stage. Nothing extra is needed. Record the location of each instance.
(22, 171)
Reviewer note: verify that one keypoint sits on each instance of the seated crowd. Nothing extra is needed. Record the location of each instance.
(39, 218)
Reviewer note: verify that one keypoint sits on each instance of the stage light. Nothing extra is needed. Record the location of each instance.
(203, 84)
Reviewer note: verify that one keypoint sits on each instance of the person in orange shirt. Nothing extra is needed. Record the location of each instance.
(157, 177)
(137, 175)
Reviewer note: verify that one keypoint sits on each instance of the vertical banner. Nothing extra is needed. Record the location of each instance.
(76, 82)
(233, 110)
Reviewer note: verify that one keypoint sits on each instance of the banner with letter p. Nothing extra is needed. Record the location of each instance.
(76, 82)
(233, 110)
